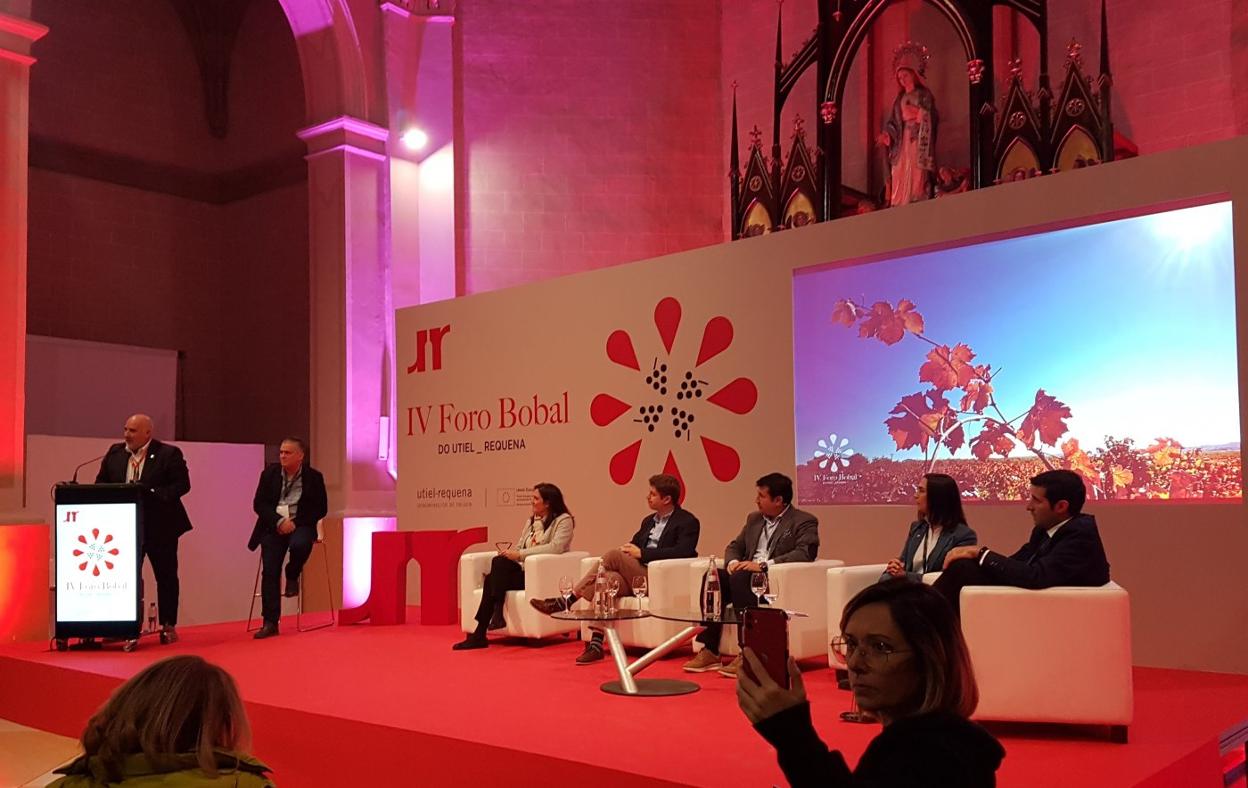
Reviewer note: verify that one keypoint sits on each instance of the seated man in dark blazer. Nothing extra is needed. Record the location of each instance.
(290, 500)
(671, 532)
(775, 534)
(1064, 550)
(161, 469)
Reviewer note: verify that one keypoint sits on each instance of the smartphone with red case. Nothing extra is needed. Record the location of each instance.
(765, 631)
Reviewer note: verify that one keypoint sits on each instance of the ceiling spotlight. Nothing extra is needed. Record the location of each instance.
(414, 139)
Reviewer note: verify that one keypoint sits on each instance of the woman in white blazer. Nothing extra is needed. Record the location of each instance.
(549, 530)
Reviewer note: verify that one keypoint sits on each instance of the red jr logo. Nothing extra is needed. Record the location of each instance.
(431, 337)
(71, 517)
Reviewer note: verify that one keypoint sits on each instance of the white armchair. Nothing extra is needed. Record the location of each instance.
(1052, 655)
(799, 586)
(541, 580)
(667, 587)
(843, 584)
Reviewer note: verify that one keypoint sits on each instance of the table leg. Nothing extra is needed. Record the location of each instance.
(684, 636)
(617, 653)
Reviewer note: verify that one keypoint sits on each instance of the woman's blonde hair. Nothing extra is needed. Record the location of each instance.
(174, 707)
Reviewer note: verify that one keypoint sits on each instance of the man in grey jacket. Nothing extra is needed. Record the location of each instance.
(775, 534)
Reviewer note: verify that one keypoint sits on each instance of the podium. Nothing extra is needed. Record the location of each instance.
(98, 561)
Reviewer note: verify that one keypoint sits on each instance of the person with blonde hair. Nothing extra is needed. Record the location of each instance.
(178, 722)
(909, 667)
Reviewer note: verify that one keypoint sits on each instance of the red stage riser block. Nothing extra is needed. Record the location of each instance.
(438, 554)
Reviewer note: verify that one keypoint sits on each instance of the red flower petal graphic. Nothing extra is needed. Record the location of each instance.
(109, 564)
(108, 538)
(77, 552)
(740, 396)
(670, 468)
(667, 320)
(716, 338)
(724, 461)
(95, 571)
(82, 566)
(624, 463)
(605, 409)
(95, 533)
(620, 350)
(114, 551)
(82, 538)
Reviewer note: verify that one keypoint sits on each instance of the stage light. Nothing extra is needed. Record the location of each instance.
(414, 139)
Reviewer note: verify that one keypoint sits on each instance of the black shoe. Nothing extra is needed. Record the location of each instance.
(168, 634)
(549, 606)
(591, 654)
(497, 621)
(472, 641)
(266, 631)
(292, 587)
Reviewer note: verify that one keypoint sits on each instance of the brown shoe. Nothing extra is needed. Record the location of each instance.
(591, 654)
(549, 606)
(730, 670)
(703, 662)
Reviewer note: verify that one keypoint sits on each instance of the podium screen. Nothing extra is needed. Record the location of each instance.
(96, 562)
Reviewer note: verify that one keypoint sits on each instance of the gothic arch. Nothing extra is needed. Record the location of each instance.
(330, 59)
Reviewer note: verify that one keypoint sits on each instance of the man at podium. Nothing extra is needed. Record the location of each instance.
(161, 469)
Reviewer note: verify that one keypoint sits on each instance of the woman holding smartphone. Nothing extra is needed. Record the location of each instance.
(909, 665)
(941, 526)
(549, 530)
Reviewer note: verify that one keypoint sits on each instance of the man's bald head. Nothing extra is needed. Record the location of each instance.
(138, 431)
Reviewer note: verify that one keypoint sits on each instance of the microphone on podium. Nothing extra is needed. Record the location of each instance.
(85, 464)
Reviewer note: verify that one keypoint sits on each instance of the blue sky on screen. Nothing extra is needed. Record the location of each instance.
(1131, 323)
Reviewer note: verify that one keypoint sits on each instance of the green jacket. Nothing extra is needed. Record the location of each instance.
(240, 771)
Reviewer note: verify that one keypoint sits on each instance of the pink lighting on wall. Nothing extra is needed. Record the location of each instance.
(357, 556)
(437, 172)
(414, 139)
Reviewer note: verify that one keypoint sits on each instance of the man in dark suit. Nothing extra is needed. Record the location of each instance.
(1064, 549)
(161, 469)
(290, 500)
(671, 532)
(775, 534)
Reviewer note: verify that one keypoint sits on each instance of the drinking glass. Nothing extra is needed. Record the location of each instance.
(758, 584)
(772, 590)
(639, 590)
(613, 588)
(565, 589)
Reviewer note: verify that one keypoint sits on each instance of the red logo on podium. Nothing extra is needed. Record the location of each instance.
(95, 552)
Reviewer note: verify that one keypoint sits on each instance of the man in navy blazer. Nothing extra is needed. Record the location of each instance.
(161, 469)
(1065, 547)
(290, 500)
(671, 532)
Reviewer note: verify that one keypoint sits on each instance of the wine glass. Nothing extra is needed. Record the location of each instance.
(772, 590)
(613, 588)
(565, 590)
(639, 590)
(758, 584)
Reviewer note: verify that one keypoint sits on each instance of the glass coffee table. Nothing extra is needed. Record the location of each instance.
(627, 684)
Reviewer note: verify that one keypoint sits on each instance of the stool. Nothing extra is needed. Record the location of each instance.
(329, 587)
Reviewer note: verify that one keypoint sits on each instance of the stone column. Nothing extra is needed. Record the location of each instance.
(350, 363)
(16, 36)
(24, 545)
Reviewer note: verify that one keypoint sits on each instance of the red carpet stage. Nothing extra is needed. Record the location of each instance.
(395, 706)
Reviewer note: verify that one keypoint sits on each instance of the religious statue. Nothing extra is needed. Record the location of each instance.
(910, 132)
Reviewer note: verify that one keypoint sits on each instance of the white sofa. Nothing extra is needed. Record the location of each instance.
(667, 588)
(1052, 655)
(541, 580)
(800, 586)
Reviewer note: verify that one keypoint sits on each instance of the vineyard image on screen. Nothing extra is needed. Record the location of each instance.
(1108, 349)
